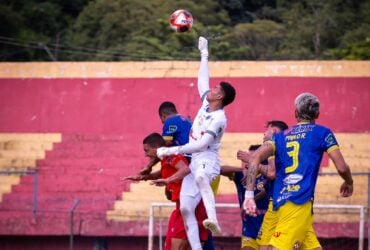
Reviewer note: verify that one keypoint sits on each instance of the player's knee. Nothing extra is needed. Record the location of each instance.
(185, 211)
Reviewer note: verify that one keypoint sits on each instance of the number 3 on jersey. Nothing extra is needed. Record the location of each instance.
(294, 145)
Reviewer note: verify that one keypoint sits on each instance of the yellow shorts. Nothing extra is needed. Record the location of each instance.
(249, 242)
(294, 229)
(268, 226)
(311, 241)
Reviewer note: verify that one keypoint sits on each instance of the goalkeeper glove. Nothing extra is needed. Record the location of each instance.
(203, 46)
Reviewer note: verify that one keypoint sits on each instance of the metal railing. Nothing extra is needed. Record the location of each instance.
(159, 205)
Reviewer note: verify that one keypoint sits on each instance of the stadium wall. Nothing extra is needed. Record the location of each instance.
(103, 97)
(98, 100)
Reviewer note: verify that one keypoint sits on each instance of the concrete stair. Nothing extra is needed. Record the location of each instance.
(89, 167)
(19, 152)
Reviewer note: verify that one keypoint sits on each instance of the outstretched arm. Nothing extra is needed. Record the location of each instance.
(182, 171)
(148, 168)
(344, 171)
(258, 156)
(203, 73)
(192, 147)
(142, 177)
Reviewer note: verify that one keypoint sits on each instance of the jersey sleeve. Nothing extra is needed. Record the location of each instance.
(272, 142)
(216, 127)
(330, 142)
(169, 129)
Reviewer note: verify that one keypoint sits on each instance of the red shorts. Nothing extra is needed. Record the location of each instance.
(176, 227)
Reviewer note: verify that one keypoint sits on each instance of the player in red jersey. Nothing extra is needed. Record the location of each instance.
(173, 169)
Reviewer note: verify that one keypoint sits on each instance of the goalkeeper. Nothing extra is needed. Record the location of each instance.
(204, 142)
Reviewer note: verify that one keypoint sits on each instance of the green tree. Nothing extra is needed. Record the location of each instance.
(315, 27)
(115, 30)
(260, 40)
(30, 28)
(137, 30)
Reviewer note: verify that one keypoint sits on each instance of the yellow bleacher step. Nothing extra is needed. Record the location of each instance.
(144, 195)
(16, 164)
(336, 216)
(39, 154)
(126, 215)
(25, 145)
(142, 205)
(19, 152)
(328, 191)
(6, 183)
(135, 204)
(5, 188)
(27, 137)
(9, 179)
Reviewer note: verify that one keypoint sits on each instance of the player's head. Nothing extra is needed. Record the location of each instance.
(151, 143)
(223, 93)
(273, 127)
(166, 109)
(307, 107)
(228, 92)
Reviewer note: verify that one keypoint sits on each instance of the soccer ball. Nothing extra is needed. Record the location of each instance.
(181, 21)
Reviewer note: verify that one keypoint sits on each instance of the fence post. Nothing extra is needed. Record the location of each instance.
(151, 225)
(71, 212)
(368, 211)
(35, 190)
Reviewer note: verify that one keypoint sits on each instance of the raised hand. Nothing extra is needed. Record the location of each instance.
(203, 46)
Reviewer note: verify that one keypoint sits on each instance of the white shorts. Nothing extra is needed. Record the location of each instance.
(200, 165)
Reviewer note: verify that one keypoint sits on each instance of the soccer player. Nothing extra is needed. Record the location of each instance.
(270, 220)
(175, 130)
(251, 225)
(176, 127)
(173, 169)
(299, 151)
(204, 143)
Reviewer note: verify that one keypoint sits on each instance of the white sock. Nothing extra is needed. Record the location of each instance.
(187, 206)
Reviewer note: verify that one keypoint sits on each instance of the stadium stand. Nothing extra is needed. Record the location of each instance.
(78, 127)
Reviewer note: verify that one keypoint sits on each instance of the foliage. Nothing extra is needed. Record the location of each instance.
(121, 30)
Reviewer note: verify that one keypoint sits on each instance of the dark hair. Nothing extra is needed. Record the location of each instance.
(154, 140)
(167, 108)
(279, 124)
(229, 93)
(254, 147)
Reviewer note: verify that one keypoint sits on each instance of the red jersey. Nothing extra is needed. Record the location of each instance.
(168, 168)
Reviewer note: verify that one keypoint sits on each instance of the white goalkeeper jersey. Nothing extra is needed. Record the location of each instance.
(213, 123)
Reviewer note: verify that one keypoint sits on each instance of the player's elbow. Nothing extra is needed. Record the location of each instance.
(201, 146)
